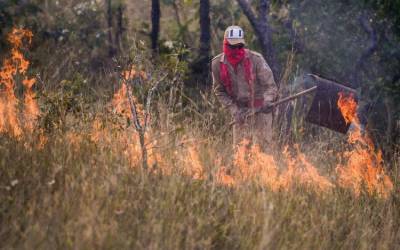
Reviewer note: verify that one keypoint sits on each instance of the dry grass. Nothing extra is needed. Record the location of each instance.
(76, 182)
(80, 193)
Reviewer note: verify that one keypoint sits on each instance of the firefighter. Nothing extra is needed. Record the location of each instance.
(243, 83)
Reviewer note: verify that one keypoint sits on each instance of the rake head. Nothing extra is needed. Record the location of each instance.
(324, 110)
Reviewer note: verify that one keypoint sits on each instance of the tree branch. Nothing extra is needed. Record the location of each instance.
(132, 105)
(263, 10)
(263, 31)
(296, 39)
(246, 7)
(366, 26)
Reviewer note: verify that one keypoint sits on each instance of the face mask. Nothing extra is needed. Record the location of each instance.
(233, 53)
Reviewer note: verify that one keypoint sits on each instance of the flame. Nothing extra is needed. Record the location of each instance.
(361, 167)
(43, 139)
(8, 111)
(364, 166)
(252, 164)
(31, 111)
(132, 73)
(193, 164)
(120, 102)
(309, 176)
(96, 131)
(16, 64)
(17, 36)
(2, 113)
(348, 107)
(126, 140)
(223, 178)
(75, 139)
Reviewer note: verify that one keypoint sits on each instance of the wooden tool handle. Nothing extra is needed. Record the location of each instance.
(284, 100)
(289, 98)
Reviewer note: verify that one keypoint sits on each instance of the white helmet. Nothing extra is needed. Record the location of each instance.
(234, 35)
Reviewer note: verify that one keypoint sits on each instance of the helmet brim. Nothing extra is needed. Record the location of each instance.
(235, 41)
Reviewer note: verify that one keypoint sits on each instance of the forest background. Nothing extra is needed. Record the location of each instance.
(58, 194)
(352, 42)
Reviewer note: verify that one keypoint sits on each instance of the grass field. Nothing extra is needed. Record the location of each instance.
(76, 193)
(73, 177)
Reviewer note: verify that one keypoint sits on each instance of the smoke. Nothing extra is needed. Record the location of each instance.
(347, 42)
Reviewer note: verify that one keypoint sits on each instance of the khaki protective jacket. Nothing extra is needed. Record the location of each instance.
(264, 84)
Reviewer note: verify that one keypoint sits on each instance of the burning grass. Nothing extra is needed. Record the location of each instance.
(11, 119)
(364, 167)
(77, 192)
(84, 186)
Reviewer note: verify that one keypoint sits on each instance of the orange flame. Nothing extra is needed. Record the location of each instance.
(9, 111)
(309, 176)
(364, 166)
(252, 164)
(132, 73)
(223, 178)
(31, 111)
(110, 134)
(120, 102)
(193, 164)
(16, 64)
(348, 107)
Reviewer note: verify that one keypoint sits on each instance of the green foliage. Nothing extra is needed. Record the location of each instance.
(58, 105)
(333, 43)
(387, 9)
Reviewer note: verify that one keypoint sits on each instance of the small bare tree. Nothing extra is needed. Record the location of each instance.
(141, 127)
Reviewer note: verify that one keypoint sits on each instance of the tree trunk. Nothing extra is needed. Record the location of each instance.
(182, 23)
(111, 49)
(155, 24)
(120, 26)
(261, 27)
(205, 38)
(361, 62)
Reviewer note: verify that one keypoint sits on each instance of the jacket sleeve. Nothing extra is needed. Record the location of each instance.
(266, 79)
(219, 89)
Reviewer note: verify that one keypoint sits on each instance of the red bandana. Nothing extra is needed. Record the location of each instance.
(234, 57)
